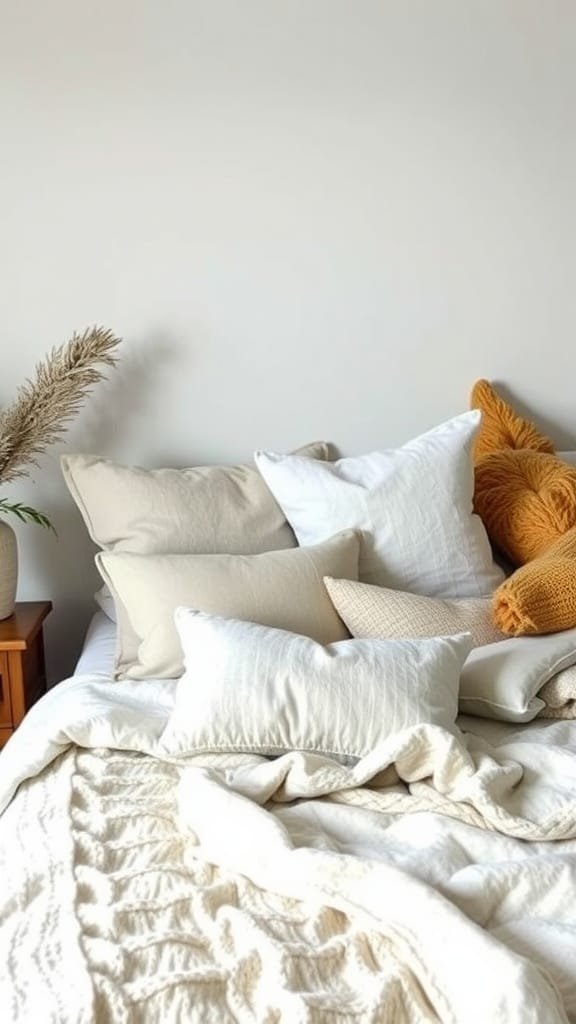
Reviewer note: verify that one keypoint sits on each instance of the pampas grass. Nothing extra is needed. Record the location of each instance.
(44, 406)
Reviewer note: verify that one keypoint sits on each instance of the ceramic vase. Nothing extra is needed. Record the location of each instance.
(8, 569)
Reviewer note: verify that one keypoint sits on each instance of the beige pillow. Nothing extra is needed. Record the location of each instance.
(282, 589)
(200, 510)
(371, 611)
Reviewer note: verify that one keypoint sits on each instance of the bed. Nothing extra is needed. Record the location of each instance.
(165, 858)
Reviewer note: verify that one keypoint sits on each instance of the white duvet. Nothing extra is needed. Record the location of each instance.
(434, 880)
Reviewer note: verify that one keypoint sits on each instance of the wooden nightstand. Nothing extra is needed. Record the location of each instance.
(22, 669)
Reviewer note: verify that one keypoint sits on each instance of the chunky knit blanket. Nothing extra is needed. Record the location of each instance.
(136, 888)
(559, 695)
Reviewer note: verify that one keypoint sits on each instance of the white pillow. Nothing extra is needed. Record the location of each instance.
(502, 680)
(251, 688)
(413, 504)
(277, 588)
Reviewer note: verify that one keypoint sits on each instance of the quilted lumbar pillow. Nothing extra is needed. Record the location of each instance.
(267, 691)
(413, 506)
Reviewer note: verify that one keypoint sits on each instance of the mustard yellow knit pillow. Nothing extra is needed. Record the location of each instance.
(526, 497)
(524, 494)
(540, 597)
(501, 426)
(526, 500)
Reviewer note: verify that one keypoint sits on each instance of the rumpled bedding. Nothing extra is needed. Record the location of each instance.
(433, 880)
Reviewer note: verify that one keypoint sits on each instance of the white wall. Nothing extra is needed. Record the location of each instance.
(307, 218)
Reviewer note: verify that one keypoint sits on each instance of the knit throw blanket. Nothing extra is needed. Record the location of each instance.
(136, 890)
(108, 915)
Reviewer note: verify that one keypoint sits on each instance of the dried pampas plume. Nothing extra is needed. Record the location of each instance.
(44, 405)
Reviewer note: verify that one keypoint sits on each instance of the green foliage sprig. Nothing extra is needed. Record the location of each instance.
(26, 513)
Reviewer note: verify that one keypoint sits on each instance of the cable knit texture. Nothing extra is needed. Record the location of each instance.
(559, 695)
(149, 933)
(501, 426)
(540, 597)
(113, 913)
(526, 498)
(524, 494)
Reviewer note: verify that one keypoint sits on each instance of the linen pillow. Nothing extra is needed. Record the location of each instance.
(199, 510)
(499, 679)
(277, 588)
(267, 691)
(413, 505)
(371, 611)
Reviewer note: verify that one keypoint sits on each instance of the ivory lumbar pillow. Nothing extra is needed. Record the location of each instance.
(371, 611)
(413, 505)
(251, 688)
(277, 588)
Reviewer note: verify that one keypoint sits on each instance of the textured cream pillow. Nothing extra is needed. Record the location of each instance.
(200, 510)
(370, 611)
(251, 688)
(276, 588)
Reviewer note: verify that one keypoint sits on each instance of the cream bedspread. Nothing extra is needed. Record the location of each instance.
(140, 889)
